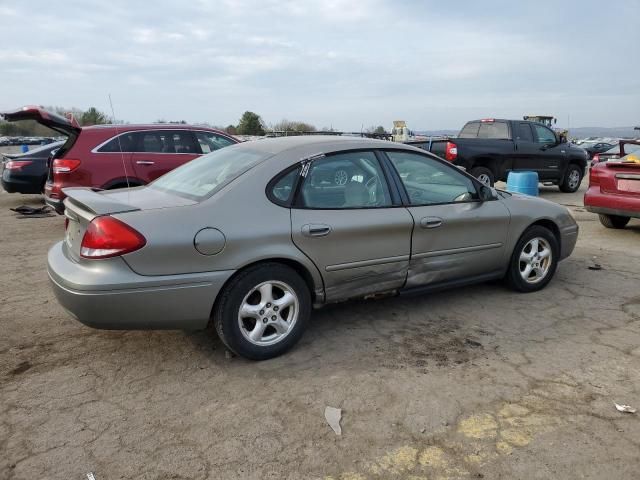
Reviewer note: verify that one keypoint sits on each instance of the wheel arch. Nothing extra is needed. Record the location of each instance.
(550, 225)
(296, 265)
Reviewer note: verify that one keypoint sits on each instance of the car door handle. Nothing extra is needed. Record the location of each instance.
(316, 230)
(430, 222)
(145, 162)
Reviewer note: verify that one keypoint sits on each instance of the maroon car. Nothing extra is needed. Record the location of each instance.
(117, 156)
(614, 188)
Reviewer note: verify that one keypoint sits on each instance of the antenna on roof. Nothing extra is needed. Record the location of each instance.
(115, 124)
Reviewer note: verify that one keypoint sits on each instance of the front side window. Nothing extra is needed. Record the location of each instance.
(210, 142)
(428, 182)
(205, 175)
(345, 180)
(544, 134)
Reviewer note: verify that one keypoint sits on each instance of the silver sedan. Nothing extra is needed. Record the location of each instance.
(251, 237)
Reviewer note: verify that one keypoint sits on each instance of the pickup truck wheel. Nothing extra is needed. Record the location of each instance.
(613, 221)
(483, 174)
(572, 179)
(534, 260)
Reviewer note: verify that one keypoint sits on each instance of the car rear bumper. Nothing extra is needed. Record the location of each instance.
(55, 203)
(27, 185)
(107, 294)
(611, 204)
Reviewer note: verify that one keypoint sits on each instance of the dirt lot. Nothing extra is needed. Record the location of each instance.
(478, 382)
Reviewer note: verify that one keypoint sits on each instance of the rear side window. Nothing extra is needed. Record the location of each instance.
(494, 130)
(165, 141)
(120, 143)
(281, 189)
(523, 132)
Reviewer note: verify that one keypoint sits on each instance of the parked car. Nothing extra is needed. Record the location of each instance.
(614, 189)
(598, 147)
(116, 156)
(623, 148)
(248, 238)
(27, 172)
(490, 148)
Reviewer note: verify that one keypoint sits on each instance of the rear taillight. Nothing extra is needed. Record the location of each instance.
(64, 165)
(594, 176)
(596, 158)
(450, 151)
(16, 164)
(107, 237)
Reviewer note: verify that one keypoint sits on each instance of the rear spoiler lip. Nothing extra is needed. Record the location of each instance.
(94, 202)
(622, 165)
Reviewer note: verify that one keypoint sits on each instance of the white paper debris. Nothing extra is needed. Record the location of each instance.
(90, 476)
(625, 408)
(333, 416)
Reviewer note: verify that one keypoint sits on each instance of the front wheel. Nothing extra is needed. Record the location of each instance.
(263, 311)
(484, 174)
(572, 179)
(534, 260)
(613, 221)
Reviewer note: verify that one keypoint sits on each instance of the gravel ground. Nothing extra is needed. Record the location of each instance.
(471, 383)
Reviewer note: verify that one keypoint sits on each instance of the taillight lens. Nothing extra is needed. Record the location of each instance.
(451, 151)
(64, 165)
(16, 164)
(107, 237)
(594, 176)
(596, 158)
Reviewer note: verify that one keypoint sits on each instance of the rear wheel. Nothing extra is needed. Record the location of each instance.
(572, 179)
(263, 311)
(534, 260)
(484, 174)
(613, 221)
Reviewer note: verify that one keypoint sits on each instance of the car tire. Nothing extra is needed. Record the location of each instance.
(267, 328)
(572, 179)
(484, 175)
(534, 260)
(613, 221)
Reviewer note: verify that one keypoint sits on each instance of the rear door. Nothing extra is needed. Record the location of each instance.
(551, 154)
(456, 236)
(347, 222)
(156, 152)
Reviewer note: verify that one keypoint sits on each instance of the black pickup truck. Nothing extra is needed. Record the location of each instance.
(489, 149)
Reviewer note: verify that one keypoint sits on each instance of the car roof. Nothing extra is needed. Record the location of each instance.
(149, 126)
(317, 144)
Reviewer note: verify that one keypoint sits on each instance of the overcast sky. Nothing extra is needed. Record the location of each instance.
(339, 63)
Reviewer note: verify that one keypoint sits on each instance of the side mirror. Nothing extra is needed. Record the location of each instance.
(486, 193)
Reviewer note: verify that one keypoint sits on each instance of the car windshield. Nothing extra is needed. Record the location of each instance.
(204, 176)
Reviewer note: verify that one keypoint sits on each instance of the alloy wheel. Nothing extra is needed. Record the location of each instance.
(535, 260)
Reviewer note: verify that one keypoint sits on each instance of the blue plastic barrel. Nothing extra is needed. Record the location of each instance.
(523, 182)
(24, 148)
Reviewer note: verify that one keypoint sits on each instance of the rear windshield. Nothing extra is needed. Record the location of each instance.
(202, 177)
(495, 130)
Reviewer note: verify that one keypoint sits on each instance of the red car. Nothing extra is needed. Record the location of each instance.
(117, 156)
(614, 189)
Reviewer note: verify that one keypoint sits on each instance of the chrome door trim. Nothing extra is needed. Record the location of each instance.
(475, 248)
(366, 263)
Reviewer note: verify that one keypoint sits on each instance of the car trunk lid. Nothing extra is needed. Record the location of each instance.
(48, 119)
(625, 178)
(83, 205)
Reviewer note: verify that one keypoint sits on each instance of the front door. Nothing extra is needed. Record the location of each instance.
(456, 236)
(345, 221)
(552, 154)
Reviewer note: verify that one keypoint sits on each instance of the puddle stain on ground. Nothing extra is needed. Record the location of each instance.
(473, 442)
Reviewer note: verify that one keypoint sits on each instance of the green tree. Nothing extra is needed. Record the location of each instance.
(250, 124)
(93, 116)
(231, 130)
(288, 126)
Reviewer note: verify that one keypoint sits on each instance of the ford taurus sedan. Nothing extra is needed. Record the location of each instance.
(252, 236)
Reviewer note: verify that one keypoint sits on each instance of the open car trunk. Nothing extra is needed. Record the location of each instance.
(49, 119)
